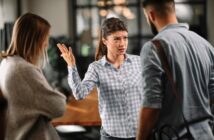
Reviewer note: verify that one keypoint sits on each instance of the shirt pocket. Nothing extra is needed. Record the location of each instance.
(134, 79)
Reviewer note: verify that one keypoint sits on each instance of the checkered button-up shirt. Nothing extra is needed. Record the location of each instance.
(119, 93)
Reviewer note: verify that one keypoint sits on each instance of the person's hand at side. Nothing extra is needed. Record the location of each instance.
(67, 54)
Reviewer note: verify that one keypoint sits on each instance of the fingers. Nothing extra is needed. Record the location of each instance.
(67, 54)
(65, 51)
(71, 53)
(62, 48)
(70, 50)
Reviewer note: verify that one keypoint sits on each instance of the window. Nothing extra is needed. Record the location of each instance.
(88, 15)
(194, 13)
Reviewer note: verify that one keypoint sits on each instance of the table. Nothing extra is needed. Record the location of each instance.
(82, 112)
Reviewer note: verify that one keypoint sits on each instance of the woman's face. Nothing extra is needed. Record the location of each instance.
(43, 57)
(117, 43)
(45, 44)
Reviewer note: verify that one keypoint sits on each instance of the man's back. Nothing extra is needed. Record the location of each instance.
(191, 60)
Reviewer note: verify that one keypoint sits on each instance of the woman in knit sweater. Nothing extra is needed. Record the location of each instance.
(32, 103)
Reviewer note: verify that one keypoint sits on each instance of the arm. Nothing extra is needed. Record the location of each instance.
(147, 121)
(79, 88)
(152, 91)
(38, 95)
(82, 88)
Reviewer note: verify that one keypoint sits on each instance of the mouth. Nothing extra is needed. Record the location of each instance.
(121, 50)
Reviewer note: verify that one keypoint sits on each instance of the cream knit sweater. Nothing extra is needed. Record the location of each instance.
(32, 103)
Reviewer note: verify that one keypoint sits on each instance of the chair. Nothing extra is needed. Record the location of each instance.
(3, 110)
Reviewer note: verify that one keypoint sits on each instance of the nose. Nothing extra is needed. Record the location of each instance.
(122, 42)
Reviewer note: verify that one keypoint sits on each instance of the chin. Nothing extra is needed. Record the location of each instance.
(121, 53)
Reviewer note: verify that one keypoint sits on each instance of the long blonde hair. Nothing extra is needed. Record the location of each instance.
(29, 32)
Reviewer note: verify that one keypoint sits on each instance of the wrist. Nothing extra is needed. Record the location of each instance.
(71, 65)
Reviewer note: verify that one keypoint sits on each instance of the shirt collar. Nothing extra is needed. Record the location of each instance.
(105, 62)
(178, 25)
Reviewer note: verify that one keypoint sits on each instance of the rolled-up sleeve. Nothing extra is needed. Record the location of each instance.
(152, 74)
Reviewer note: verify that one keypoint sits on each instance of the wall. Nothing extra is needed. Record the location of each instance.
(8, 11)
(210, 21)
(1, 15)
(55, 11)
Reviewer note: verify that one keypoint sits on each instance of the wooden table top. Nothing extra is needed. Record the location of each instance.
(83, 112)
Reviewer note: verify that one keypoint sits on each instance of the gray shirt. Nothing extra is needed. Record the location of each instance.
(32, 103)
(191, 60)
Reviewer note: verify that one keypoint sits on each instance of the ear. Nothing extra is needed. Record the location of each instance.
(151, 15)
(104, 41)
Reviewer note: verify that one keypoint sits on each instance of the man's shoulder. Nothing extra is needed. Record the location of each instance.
(149, 45)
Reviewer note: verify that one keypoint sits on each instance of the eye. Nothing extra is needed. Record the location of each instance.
(125, 38)
(117, 38)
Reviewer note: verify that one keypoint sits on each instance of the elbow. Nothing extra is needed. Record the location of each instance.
(60, 111)
(78, 97)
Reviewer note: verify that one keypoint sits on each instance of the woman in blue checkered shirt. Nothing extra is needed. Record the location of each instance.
(117, 76)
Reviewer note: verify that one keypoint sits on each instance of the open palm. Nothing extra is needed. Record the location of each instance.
(67, 54)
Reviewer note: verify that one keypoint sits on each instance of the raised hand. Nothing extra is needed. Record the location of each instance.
(67, 54)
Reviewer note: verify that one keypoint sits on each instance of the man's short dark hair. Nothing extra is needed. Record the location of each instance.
(155, 2)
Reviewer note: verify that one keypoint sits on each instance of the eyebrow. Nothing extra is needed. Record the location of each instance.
(114, 36)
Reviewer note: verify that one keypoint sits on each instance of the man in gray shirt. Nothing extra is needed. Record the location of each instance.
(191, 60)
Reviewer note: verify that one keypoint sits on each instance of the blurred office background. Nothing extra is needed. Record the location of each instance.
(76, 23)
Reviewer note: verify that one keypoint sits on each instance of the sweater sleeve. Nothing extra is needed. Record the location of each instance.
(40, 95)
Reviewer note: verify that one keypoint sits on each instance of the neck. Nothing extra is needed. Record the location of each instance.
(116, 60)
(162, 22)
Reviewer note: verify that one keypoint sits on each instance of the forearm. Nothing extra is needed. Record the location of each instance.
(147, 120)
(80, 89)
